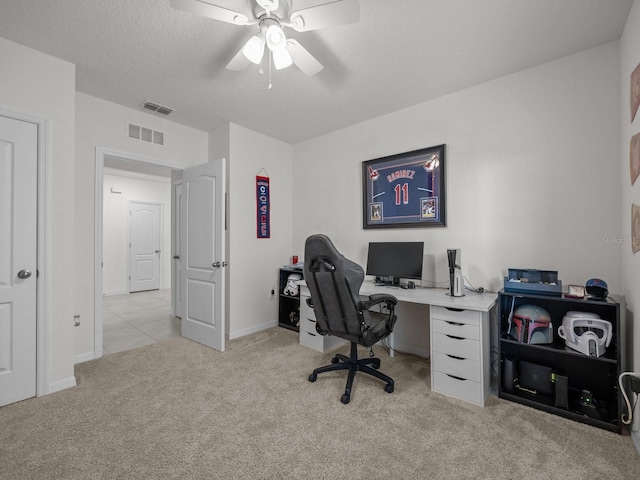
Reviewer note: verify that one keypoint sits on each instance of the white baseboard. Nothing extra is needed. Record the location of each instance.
(249, 331)
(84, 357)
(62, 385)
(115, 292)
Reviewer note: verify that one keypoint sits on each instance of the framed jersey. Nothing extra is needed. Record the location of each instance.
(405, 190)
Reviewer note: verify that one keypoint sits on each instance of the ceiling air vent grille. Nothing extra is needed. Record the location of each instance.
(156, 107)
(144, 134)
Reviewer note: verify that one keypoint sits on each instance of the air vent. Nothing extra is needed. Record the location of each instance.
(155, 107)
(144, 134)
(158, 138)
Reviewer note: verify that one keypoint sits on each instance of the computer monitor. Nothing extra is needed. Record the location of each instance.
(392, 261)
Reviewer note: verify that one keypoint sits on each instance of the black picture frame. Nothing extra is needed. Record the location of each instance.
(405, 190)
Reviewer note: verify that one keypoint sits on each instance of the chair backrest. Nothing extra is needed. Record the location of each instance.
(334, 283)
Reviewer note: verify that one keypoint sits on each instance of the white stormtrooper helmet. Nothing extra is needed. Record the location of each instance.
(292, 288)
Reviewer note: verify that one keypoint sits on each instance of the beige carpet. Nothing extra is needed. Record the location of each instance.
(180, 410)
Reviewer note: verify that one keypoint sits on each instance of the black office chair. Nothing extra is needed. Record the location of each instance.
(334, 283)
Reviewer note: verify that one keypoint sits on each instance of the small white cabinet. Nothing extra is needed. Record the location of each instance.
(309, 337)
(460, 353)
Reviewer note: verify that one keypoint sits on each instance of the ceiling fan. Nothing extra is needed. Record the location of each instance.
(270, 16)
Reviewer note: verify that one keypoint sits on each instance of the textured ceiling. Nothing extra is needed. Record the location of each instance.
(400, 53)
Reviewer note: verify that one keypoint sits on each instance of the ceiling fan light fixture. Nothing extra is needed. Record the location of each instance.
(276, 39)
(282, 59)
(254, 49)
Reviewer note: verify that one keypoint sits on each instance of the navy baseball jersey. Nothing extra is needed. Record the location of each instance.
(401, 192)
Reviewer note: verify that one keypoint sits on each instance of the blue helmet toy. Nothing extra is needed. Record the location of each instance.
(597, 288)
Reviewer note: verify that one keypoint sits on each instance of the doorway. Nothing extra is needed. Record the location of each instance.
(124, 319)
(203, 244)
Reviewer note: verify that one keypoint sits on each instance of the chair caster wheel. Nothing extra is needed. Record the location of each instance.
(388, 388)
(345, 398)
(334, 360)
(313, 377)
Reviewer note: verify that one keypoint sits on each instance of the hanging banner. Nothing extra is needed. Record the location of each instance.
(263, 207)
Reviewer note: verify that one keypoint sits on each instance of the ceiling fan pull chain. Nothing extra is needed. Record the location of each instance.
(270, 86)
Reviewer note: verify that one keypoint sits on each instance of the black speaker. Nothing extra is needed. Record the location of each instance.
(562, 387)
(508, 374)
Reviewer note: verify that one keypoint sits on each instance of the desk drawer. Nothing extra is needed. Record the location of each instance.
(466, 390)
(312, 339)
(459, 367)
(307, 325)
(458, 347)
(305, 310)
(455, 329)
(471, 317)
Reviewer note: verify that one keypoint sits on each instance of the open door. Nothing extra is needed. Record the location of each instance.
(203, 254)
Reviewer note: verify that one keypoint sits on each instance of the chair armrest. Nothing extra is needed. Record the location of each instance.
(390, 303)
(378, 298)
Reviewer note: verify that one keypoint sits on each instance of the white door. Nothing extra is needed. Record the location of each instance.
(203, 253)
(18, 248)
(177, 249)
(144, 246)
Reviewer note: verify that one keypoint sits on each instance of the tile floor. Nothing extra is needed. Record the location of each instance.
(137, 319)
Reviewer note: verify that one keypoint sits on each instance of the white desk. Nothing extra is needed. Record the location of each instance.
(435, 296)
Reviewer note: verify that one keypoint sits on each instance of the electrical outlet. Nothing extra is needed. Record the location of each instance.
(634, 383)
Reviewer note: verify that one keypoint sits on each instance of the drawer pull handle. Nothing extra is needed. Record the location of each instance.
(455, 338)
(454, 357)
(456, 378)
(455, 309)
(457, 324)
(312, 334)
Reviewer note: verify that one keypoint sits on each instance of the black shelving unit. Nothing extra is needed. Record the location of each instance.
(593, 396)
(288, 306)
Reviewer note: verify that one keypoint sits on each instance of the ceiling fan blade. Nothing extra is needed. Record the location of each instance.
(206, 9)
(303, 59)
(239, 62)
(337, 12)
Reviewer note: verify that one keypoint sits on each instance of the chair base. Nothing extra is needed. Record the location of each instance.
(353, 364)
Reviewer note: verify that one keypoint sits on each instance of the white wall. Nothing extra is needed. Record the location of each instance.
(219, 142)
(532, 173)
(42, 86)
(102, 124)
(253, 263)
(629, 60)
(115, 244)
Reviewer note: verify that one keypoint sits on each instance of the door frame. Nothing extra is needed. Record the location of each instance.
(43, 277)
(101, 153)
(176, 245)
(160, 240)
